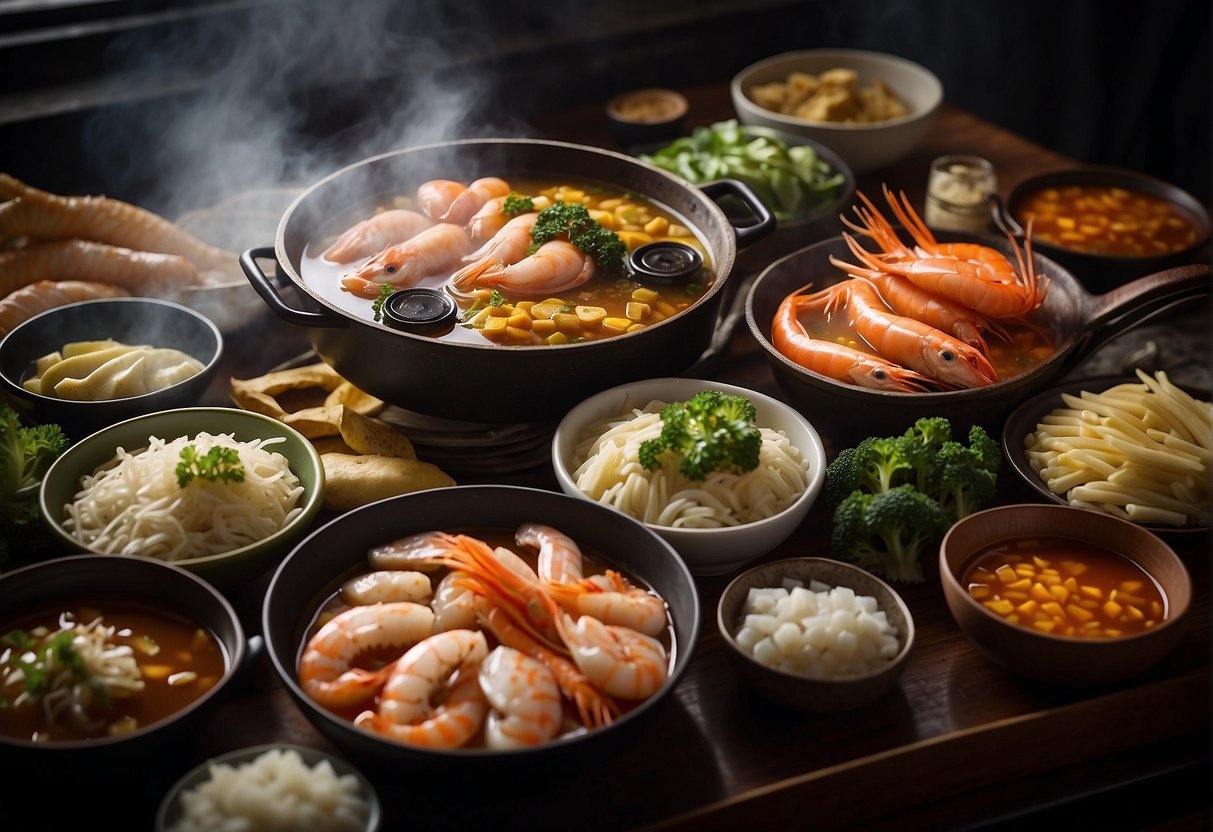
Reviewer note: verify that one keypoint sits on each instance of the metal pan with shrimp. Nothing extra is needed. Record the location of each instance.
(479, 621)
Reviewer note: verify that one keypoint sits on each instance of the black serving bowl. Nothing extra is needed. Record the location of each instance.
(145, 582)
(1078, 321)
(314, 570)
(1023, 421)
(158, 323)
(1100, 272)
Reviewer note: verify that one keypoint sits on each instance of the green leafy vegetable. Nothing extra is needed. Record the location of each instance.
(515, 204)
(572, 222)
(792, 180)
(713, 431)
(385, 291)
(25, 454)
(215, 465)
(894, 496)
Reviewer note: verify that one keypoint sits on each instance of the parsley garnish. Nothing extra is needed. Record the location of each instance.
(516, 204)
(385, 291)
(572, 221)
(216, 464)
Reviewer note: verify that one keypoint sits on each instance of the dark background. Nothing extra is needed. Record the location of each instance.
(176, 104)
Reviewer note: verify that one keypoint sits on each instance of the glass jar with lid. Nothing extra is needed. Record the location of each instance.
(958, 188)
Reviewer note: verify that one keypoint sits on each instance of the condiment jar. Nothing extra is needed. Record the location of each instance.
(957, 191)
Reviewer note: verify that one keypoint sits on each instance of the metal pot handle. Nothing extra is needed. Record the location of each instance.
(748, 234)
(1133, 303)
(266, 287)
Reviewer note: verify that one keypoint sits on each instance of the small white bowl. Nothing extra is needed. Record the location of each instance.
(715, 551)
(863, 146)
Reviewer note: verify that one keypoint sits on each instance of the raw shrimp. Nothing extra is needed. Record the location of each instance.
(619, 660)
(138, 272)
(387, 585)
(433, 251)
(433, 697)
(612, 600)
(40, 215)
(488, 220)
(435, 197)
(555, 266)
(559, 559)
(526, 707)
(454, 606)
(415, 551)
(507, 246)
(326, 670)
(904, 340)
(467, 202)
(834, 360)
(594, 707)
(31, 300)
(373, 235)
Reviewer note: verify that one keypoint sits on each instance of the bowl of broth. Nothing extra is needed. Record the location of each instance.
(1064, 595)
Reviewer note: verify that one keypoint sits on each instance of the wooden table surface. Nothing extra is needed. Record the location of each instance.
(960, 742)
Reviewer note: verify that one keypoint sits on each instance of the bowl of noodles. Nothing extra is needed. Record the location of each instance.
(717, 523)
(218, 491)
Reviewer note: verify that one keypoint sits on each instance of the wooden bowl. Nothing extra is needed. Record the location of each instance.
(803, 693)
(1057, 659)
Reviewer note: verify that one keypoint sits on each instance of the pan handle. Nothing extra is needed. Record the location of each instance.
(266, 287)
(1133, 303)
(752, 232)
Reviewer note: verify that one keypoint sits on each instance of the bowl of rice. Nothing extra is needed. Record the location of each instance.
(275, 786)
(221, 492)
(718, 523)
(815, 634)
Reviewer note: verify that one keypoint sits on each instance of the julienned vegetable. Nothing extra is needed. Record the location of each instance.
(713, 431)
(790, 179)
(25, 454)
(895, 495)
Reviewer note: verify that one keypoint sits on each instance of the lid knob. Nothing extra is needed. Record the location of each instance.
(419, 310)
(665, 262)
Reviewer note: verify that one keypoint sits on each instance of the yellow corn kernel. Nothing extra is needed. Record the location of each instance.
(1112, 609)
(604, 218)
(518, 335)
(980, 592)
(1028, 608)
(519, 320)
(1113, 633)
(635, 326)
(567, 322)
(1040, 592)
(524, 306)
(1070, 584)
(1133, 613)
(1015, 595)
(1087, 603)
(1132, 586)
(1006, 574)
(637, 311)
(571, 195)
(1052, 608)
(644, 295)
(1045, 626)
(538, 203)
(1091, 591)
(1155, 609)
(1066, 222)
(1079, 614)
(610, 204)
(616, 325)
(557, 338)
(156, 671)
(1126, 598)
(657, 226)
(1060, 592)
(1040, 562)
(1050, 580)
(1000, 606)
(677, 230)
(543, 327)
(590, 316)
(633, 239)
(1025, 569)
(495, 329)
(498, 312)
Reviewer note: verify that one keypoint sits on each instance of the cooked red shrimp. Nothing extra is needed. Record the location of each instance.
(555, 267)
(507, 246)
(834, 360)
(326, 670)
(435, 197)
(613, 601)
(40, 215)
(373, 235)
(138, 272)
(525, 705)
(28, 301)
(385, 585)
(488, 220)
(433, 697)
(433, 251)
(559, 560)
(466, 203)
(619, 660)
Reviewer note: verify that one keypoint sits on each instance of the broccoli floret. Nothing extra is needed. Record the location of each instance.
(882, 462)
(25, 454)
(964, 477)
(887, 532)
(713, 431)
(986, 451)
(840, 477)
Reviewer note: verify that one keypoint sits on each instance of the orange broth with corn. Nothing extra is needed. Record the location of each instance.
(1102, 219)
(1066, 587)
(607, 305)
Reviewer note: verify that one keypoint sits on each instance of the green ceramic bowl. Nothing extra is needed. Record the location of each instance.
(62, 480)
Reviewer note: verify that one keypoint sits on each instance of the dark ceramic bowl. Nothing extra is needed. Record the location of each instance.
(1047, 657)
(313, 571)
(648, 115)
(154, 584)
(1077, 320)
(1024, 419)
(1101, 272)
(227, 569)
(159, 323)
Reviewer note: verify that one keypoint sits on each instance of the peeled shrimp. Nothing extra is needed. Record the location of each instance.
(488, 220)
(555, 267)
(507, 246)
(326, 670)
(434, 198)
(40, 215)
(435, 250)
(387, 585)
(525, 703)
(138, 272)
(470, 200)
(441, 669)
(373, 235)
(454, 606)
(36, 298)
(414, 551)
(619, 660)
(560, 558)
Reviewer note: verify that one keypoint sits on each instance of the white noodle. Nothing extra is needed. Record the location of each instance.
(607, 469)
(133, 505)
